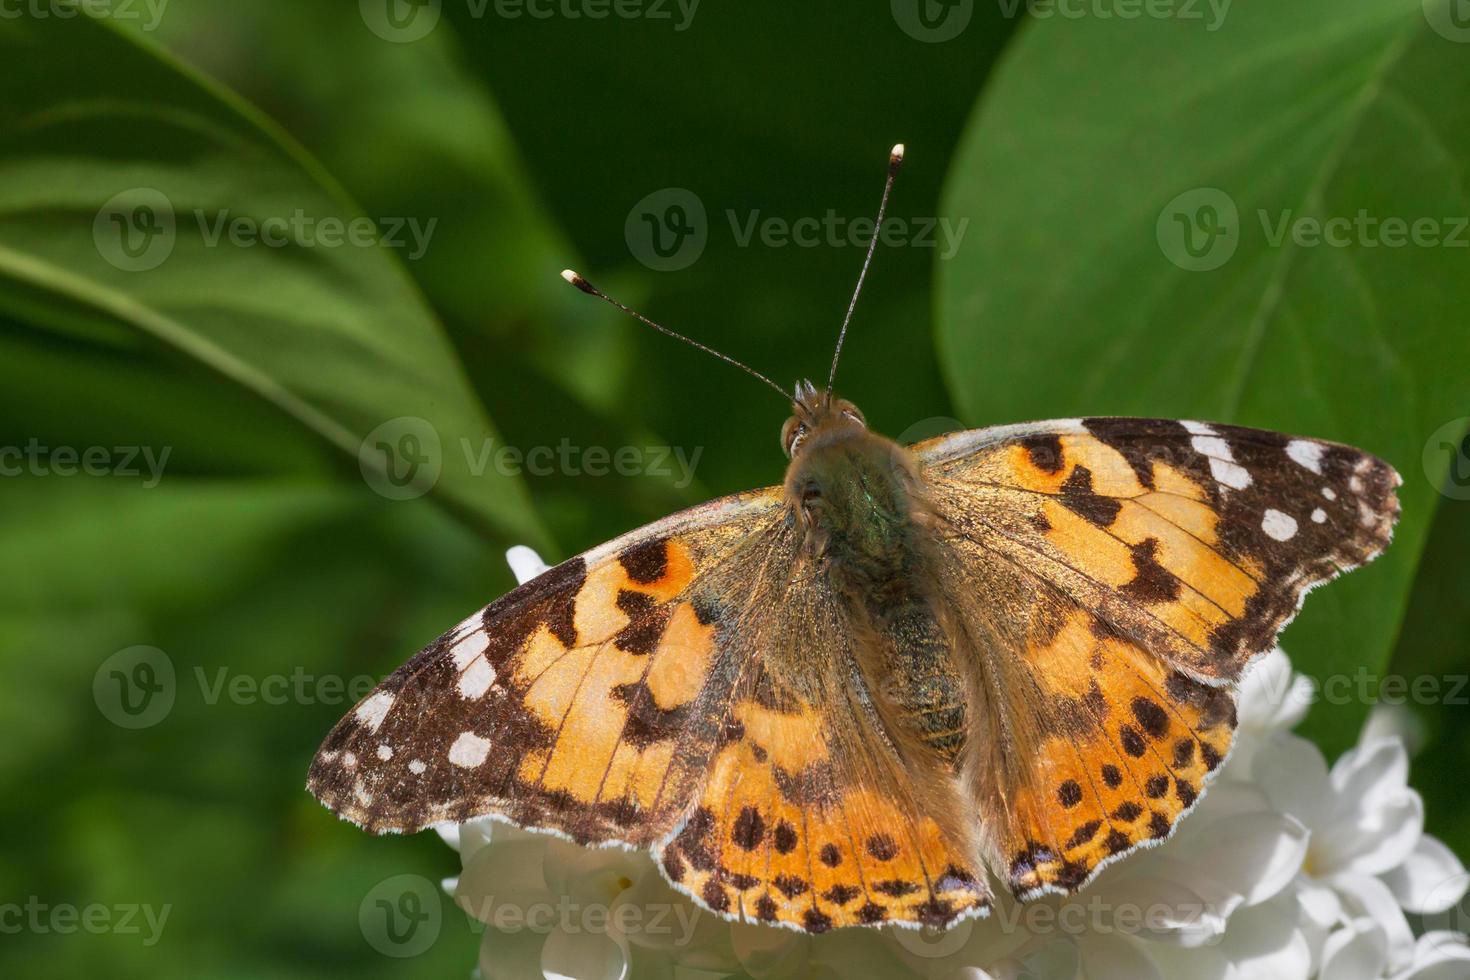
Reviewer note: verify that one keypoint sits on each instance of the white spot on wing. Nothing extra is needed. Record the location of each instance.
(372, 711)
(1306, 453)
(469, 750)
(1232, 475)
(1319, 516)
(385, 751)
(1198, 428)
(1329, 493)
(416, 767)
(476, 679)
(1277, 525)
(1213, 446)
(467, 649)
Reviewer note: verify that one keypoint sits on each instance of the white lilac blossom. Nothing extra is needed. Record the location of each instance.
(1286, 871)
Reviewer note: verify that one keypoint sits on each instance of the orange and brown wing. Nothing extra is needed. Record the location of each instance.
(686, 689)
(1118, 575)
(809, 817)
(581, 702)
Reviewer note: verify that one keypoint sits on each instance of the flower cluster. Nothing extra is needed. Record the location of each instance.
(1287, 870)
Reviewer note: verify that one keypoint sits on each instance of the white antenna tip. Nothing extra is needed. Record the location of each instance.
(577, 281)
(896, 156)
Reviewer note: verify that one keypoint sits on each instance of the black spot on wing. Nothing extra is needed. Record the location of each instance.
(1079, 497)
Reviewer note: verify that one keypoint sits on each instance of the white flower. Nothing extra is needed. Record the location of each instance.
(1285, 871)
(1369, 860)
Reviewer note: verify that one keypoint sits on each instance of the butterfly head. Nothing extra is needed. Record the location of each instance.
(818, 417)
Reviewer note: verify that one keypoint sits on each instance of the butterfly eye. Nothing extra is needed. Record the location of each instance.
(792, 435)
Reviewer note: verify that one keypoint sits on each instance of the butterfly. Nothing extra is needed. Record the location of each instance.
(861, 696)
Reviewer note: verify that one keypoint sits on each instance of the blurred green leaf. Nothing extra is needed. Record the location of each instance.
(1079, 293)
(140, 201)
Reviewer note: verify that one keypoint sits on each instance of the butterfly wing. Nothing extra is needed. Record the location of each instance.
(1116, 575)
(681, 689)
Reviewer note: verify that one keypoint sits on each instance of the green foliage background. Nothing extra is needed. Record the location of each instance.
(264, 552)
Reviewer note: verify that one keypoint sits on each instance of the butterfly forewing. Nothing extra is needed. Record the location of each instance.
(1131, 570)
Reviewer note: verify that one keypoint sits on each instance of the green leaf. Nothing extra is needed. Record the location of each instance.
(1101, 141)
(142, 204)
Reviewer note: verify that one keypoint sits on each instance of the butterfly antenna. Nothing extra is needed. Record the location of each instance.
(895, 160)
(591, 290)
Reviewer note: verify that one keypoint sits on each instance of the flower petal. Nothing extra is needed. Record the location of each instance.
(524, 563)
(1108, 957)
(1367, 897)
(1356, 952)
(583, 955)
(1293, 774)
(1439, 956)
(1266, 941)
(1431, 880)
(1272, 697)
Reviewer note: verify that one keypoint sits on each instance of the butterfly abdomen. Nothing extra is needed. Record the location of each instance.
(927, 694)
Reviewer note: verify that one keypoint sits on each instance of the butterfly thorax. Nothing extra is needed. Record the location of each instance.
(858, 501)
